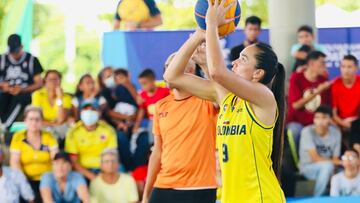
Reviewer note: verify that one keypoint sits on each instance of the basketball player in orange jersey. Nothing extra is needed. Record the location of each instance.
(182, 166)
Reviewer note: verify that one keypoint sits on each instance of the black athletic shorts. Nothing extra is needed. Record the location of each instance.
(160, 195)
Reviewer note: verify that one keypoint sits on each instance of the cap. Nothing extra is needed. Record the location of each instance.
(62, 155)
(14, 43)
(91, 103)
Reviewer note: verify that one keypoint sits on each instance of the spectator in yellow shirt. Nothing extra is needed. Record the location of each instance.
(55, 104)
(111, 186)
(87, 139)
(32, 149)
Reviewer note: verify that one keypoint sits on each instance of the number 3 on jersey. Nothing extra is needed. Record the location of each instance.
(225, 153)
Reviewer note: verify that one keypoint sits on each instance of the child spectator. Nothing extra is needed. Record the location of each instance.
(110, 185)
(121, 105)
(150, 94)
(86, 92)
(320, 149)
(305, 35)
(121, 113)
(55, 104)
(122, 77)
(300, 62)
(62, 184)
(307, 91)
(347, 183)
(32, 149)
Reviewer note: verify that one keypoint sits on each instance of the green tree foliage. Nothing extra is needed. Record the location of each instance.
(49, 32)
(4, 7)
(348, 5)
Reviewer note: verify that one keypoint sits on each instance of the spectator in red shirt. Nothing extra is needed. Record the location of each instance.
(345, 93)
(150, 94)
(307, 91)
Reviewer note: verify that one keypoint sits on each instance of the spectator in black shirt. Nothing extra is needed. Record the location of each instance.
(19, 77)
(252, 31)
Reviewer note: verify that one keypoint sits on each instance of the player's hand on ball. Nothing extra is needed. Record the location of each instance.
(215, 14)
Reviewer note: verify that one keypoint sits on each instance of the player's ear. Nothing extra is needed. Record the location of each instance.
(258, 75)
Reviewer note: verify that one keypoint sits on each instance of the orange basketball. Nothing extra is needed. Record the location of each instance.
(233, 13)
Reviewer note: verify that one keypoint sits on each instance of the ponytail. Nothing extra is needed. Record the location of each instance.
(274, 79)
(278, 89)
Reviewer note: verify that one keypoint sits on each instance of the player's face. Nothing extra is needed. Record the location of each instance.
(252, 31)
(322, 120)
(305, 38)
(348, 69)
(244, 66)
(33, 121)
(109, 163)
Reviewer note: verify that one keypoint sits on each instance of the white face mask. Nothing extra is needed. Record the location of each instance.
(89, 117)
(109, 82)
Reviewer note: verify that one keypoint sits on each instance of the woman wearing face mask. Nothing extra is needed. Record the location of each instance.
(121, 113)
(115, 94)
(32, 149)
(56, 105)
(86, 92)
(86, 140)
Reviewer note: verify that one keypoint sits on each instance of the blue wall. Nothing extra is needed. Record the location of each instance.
(149, 49)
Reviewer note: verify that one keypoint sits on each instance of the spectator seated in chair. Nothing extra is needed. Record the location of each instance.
(320, 150)
(63, 184)
(86, 140)
(32, 149)
(56, 105)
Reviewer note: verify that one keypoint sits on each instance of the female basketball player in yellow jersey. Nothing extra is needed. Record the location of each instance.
(250, 122)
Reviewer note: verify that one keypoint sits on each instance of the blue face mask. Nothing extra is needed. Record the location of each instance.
(89, 117)
(109, 82)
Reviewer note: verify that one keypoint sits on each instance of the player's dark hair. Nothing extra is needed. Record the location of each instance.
(275, 79)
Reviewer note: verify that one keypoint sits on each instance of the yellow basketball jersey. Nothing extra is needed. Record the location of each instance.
(133, 10)
(245, 147)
